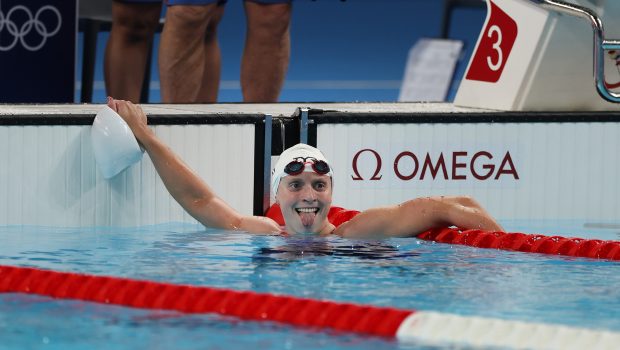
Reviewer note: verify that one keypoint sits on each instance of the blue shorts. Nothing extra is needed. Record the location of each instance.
(221, 2)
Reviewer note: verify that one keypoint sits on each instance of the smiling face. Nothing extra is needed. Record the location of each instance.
(305, 200)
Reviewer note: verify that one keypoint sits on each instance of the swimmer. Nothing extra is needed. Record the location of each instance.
(302, 187)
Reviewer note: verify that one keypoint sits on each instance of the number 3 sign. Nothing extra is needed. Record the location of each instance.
(495, 46)
(505, 56)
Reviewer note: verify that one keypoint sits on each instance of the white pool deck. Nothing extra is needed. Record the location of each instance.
(274, 109)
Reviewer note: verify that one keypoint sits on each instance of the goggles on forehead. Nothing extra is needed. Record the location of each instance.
(298, 165)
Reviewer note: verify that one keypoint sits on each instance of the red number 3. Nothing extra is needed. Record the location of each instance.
(494, 48)
(497, 46)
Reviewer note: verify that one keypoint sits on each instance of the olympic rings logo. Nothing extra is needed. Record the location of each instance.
(20, 33)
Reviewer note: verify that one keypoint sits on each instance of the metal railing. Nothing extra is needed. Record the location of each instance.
(600, 43)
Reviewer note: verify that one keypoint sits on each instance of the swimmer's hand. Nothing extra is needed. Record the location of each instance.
(134, 116)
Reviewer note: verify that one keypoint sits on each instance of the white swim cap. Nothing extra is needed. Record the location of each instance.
(114, 145)
(300, 152)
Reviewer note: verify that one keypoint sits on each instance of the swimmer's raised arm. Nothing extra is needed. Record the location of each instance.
(187, 188)
(418, 215)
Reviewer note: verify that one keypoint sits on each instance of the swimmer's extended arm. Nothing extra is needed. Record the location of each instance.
(418, 215)
(187, 188)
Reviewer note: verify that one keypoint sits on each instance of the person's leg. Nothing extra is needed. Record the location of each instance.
(212, 62)
(182, 54)
(127, 49)
(267, 51)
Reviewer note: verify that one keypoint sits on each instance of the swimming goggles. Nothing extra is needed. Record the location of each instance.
(298, 165)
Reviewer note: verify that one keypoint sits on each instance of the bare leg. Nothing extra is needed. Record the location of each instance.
(267, 51)
(182, 52)
(128, 47)
(212, 64)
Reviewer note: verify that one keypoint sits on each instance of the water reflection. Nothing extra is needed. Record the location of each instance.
(308, 247)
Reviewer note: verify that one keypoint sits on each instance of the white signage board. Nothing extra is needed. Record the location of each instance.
(429, 71)
(519, 171)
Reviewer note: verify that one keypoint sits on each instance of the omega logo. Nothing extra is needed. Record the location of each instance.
(481, 166)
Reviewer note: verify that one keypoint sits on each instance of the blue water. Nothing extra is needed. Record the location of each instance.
(403, 273)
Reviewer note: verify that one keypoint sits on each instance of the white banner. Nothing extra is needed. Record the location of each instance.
(516, 170)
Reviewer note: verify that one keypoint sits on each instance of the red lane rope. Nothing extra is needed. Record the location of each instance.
(530, 243)
(370, 320)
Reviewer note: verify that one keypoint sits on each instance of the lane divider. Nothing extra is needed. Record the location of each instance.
(528, 243)
(192, 299)
(404, 325)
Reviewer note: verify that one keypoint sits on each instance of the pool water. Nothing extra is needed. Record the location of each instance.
(404, 273)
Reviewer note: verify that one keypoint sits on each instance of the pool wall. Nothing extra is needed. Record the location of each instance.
(49, 175)
(519, 165)
(519, 169)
